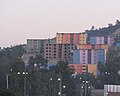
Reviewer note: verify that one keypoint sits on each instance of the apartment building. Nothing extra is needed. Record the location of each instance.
(58, 52)
(36, 46)
(71, 38)
(93, 46)
(88, 56)
(102, 40)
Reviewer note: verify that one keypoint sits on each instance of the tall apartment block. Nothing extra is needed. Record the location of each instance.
(88, 56)
(36, 46)
(71, 38)
(58, 52)
(102, 40)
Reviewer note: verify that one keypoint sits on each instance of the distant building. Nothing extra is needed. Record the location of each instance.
(102, 40)
(36, 46)
(93, 46)
(71, 38)
(58, 52)
(88, 56)
(84, 68)
(111, 90)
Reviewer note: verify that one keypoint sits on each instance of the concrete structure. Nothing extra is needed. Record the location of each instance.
(58, 52)
(36, 46)
(71, 38)
(88, 56)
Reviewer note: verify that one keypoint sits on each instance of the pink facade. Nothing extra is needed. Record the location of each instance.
(76, 39)
(79, 68)
(66, 38)
(94, 57)
(100, 40)
(71, 38)
(83, 56)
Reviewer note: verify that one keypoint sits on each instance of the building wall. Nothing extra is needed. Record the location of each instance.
(59, 38)
(83, 68)
(92, 68)
(85, 56)
(101, 55)
(59, 52)
(93, 40)
(93, 46)
(102, 40)
(71, 38)
(82, 38)
(36, 46)
(76, 56)
(111, 90)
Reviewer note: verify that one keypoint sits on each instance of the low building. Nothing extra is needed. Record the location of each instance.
(111, 90)
(84, 68)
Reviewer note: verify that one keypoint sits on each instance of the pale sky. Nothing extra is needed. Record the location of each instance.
(22, 19)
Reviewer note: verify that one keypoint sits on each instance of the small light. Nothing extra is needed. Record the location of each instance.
(59, 79)
(106, 93)
(23, 72)
(80, 78)
(26, 72)
(89, 87)
(64, 86)
(18, 72)
(105, 72)
(81, 86)
(58, 93)
(83, 81)
(51, 79)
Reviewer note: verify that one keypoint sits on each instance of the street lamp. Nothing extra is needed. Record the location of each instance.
(60, 87)
(24, 73)
(85, 87)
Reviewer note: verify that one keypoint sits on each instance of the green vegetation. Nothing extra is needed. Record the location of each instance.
(5, 92)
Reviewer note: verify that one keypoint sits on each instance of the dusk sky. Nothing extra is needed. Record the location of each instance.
(22, 19)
